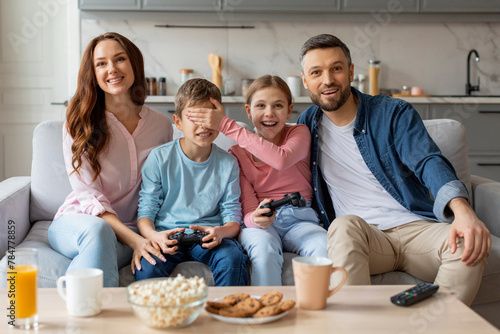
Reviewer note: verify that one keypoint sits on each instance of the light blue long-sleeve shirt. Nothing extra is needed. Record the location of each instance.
(178, 192)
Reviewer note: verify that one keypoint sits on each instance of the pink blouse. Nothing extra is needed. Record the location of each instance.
(116, 189)
(284, 168)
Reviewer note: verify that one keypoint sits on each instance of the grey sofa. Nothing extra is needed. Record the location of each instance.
(29, 204)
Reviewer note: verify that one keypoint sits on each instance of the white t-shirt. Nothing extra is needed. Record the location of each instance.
(352, 186)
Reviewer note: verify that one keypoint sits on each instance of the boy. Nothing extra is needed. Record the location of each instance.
(190, 184)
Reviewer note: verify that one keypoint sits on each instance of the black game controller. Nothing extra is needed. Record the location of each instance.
(294, 199)
(186, 240)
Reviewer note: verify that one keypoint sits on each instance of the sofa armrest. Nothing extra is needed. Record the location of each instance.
(486, 194)
(14, 211)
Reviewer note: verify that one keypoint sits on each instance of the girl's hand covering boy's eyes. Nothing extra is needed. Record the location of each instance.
(206, 117)
(258, 218)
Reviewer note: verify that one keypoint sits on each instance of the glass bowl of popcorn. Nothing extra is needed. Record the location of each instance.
(168, 302)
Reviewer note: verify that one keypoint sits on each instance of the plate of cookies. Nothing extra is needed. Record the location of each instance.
(242, 308)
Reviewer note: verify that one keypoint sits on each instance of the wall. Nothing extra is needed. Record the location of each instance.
(428, 54)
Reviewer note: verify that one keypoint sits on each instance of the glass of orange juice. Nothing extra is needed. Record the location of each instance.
(22, 269)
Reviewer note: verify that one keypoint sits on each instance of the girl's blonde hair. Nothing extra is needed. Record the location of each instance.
(268, 81)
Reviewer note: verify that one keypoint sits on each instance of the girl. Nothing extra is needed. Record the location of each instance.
(273, 162)
(107, 136)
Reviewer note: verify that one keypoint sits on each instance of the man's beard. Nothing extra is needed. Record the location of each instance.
(332, 105)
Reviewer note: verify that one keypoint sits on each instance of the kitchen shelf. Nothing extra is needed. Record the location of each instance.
(225, 99)
(306, 99)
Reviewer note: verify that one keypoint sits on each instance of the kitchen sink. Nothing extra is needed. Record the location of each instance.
(465, 95)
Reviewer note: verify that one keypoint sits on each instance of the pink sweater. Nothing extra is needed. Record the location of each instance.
(116, 189)
(284, 168)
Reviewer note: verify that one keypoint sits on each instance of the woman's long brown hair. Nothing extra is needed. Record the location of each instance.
(85, 117)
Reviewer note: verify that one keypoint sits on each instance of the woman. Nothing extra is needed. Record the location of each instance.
(107, 136)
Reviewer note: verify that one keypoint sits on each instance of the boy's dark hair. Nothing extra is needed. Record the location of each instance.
(323, 41)
(193, 92)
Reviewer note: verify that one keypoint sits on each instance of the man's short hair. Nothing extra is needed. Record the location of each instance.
(323, 41)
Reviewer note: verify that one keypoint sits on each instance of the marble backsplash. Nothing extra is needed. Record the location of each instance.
(429, 55)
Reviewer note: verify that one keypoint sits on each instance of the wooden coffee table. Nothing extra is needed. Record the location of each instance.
(354, 309)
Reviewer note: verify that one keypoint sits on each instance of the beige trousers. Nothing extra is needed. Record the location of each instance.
(419, 248)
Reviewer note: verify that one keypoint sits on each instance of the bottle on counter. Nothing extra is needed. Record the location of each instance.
(355, 82)
(229, 89)
(186, 74)
(405, 91)
(245, 84)
(152, 87)
(162, 86)
(362, 83)
(147, 85)
(373, 73)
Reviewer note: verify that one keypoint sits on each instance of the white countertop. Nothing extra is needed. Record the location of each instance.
(306, 99)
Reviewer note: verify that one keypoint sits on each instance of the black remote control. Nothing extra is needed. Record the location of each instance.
(415, 294)
(294, 199)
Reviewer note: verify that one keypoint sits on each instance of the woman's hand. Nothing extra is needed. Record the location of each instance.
(142, 249)
(258, 218)
(157, 245)
(167, 246)
(207, 117)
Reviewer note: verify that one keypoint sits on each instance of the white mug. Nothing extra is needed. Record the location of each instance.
(294, 83)
(83, 291)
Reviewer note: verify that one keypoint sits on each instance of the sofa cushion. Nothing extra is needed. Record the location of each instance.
(451, 138)
(489, 291)
(49, 179)
(51, 264)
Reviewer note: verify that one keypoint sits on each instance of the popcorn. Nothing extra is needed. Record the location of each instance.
(171, 302)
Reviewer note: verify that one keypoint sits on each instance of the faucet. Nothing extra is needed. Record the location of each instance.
(468, 87)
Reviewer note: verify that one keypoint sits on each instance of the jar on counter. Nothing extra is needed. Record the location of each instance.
(373, 73)
(186, 74)
(229, 89)
(362, 83)
(294, 83)
(355, 82)
(162, 86)
(152, 87)
(406, 91)
(245, 84)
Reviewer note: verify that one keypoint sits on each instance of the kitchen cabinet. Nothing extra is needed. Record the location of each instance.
(183, 5)
(278, 6)
(391, 6)
(422, 109)
(109, 4)
(460, 6)
(483, 138)
(297, 7)
(481, 122)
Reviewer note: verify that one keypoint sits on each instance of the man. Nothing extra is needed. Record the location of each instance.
(373, 164)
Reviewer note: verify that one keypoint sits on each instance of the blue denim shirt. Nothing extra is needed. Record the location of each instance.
(397, 149)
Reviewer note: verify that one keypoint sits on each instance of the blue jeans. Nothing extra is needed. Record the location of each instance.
(226, 261)
(91, 243)
(294, 230)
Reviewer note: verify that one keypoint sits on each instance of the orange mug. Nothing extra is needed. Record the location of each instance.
(312, 281)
